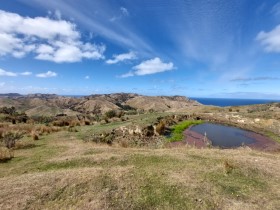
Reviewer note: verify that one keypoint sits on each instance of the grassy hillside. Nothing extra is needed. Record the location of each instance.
(60, 171)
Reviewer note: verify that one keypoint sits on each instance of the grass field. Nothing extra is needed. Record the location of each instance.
(60, 171)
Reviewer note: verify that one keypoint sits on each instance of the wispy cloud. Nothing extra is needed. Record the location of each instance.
(246, 79)
(122, 57)
(152, 66)
(123, 12)
(128, 74)
(47, 74)
(208, 32)
(2, 84)
(50, 39)
(26, 73)
(276, 9)
(13, 74)
(7, 73)
(120, 33)
(270, 40)
(249, 95)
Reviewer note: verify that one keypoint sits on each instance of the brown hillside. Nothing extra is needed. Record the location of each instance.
(49, 104)
(161, 103)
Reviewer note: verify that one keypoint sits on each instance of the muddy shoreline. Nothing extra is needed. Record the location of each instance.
(198, 140)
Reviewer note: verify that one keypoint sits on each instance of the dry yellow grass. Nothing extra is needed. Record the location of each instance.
(63, 172)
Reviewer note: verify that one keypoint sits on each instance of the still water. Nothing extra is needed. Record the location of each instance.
(224, 136)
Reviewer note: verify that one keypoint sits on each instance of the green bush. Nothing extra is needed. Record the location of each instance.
(111, 114)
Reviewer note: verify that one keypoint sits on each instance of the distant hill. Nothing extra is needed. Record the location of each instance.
(10, 95)
(51, 104)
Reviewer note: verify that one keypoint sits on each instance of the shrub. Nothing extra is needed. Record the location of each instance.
(61, 123)
(131, 112)
(75, 123)
(9, 139)
(42, 119)
(120, 114)
(35, 136)
(160, 128)
(2, 131)
(124, 143)
(72, 129)
(6, 154)
(45, 129)
(140, 111)
(125, 107)
(8, 110)
(111, 114)
(228, 167)
(55, 129)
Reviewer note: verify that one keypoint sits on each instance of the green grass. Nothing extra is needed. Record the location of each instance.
(177, 130)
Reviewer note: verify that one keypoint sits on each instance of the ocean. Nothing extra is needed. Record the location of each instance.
(232, 101)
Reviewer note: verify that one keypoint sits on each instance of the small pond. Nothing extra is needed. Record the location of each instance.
(224, 136)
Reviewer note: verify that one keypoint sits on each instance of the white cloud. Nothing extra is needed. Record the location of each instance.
(270, 40)
(47, 74)
(45, 49)
(2, 84)
(63, 52)
(51, 39)
(121, 57)
(87, 77)
(97, 22)
(151, 66)
(26, 73)
(7, 73)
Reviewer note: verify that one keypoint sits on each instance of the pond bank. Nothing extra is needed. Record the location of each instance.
(197, 138)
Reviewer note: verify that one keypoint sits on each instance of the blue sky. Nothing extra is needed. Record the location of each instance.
(196, 48)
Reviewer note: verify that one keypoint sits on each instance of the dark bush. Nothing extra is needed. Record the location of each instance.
(160, 128)
(8, 110)
(111, 114)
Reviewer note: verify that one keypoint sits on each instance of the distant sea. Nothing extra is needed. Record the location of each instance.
(232, 101)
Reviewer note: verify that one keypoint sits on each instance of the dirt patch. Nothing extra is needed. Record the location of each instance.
(263, 143)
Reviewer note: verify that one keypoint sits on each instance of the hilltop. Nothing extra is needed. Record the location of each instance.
(113, 151)
(51, 104)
